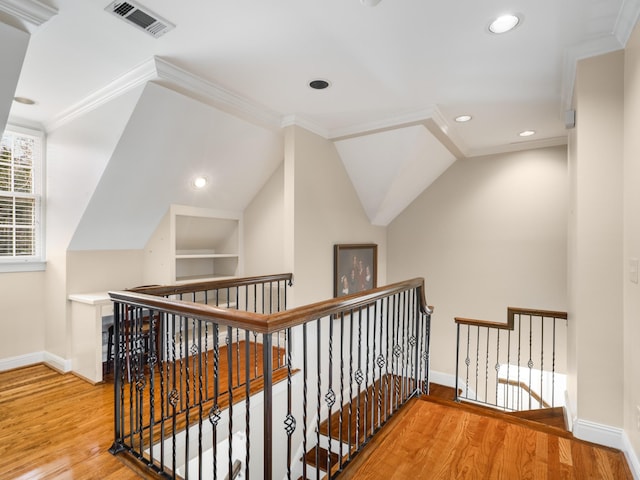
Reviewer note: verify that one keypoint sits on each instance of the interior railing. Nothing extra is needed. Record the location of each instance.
(514, 366)
(219, 379)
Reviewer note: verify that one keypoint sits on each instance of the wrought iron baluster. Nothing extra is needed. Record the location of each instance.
(358, 379)
(486, 370)
(530, 363)
(542, 361)
(330, 396)
(553, 366)
(318, 399)
(290, 421)
(230, 394)
(247, 411)
(341, 409)
(267, 344)
(304, 396)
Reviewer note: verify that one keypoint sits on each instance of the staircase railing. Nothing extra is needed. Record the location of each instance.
(518, 365)
(197, 369)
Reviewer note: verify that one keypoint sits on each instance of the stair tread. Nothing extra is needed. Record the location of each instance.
(323, 455)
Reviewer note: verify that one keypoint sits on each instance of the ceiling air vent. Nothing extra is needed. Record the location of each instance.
(141, 17)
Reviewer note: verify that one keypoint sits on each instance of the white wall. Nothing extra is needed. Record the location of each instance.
(264, 229)
(595, 250)
(488, 234)
(77, 154)
(631, 201)
(326, 211)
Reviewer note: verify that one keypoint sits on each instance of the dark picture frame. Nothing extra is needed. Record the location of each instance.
(355, 268)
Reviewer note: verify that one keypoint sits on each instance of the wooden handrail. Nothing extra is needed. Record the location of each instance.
(511, 313)
(520, 384)
(265, 323)
(163, 290)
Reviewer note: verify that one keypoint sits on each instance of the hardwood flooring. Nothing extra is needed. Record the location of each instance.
(55, 426)
(431, 439)
(59, 427)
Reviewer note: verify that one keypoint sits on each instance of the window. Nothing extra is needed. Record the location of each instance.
(21, 244)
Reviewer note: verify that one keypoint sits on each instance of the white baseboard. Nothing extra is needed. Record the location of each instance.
(632, 458)
(59, 363)
(440, 378)
(34, 358)
(598, 433)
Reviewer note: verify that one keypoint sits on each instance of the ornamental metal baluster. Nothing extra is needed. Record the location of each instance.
(519, 391)
(387, 360)
(230, 394)
(530, 362)
(541, 361)
(267, 347)
(304, 396)
(247, 411)
(318, 399)
(477, 360)
(497, 367)
(358, 378)
(368, 410)
(214, 413)
(174, 395)
(330, 396)
(340, 417)
(553, 367)
(350, 417)
(290, 421)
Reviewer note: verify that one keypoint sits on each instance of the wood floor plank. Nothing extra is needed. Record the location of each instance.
(439, 441)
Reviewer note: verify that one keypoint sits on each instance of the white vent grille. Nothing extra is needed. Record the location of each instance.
(140, 17)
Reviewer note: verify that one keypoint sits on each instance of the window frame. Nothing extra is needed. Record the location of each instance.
(35, 262)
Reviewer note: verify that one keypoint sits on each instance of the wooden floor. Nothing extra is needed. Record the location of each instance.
(55, 426)
(432, 439)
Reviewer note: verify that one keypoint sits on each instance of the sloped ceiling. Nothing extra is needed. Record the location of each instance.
(391, 67)
(13, 47)
(390, 169)
(170, 139)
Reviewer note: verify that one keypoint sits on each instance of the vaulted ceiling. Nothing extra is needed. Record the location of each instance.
(399, 73)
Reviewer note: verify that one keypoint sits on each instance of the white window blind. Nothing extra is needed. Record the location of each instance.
(20, 197)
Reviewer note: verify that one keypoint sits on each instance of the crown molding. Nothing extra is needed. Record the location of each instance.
(289, 120)
(123, 84)
(519, 146)
(431, 118)
(31, 11)
(399, 121)
(161, 71)
(625, 23)
(180, 80)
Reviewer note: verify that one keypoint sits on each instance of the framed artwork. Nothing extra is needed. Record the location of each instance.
(354, 268)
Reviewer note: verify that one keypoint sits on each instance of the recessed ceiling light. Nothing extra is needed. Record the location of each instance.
(24, 100)
(463, 118)
(504, 23)
(319, 84)
(370, 3)
(527, 133)
(200, 182)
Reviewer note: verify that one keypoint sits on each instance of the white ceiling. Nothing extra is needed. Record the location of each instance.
(403, 65)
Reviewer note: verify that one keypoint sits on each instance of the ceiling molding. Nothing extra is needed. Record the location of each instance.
(214, 95)
(367, 128)
(133, 78)
(30, 11)
(439, 127)
(161, 71)
(519, 146)
(289, 120)
(431, 118)
(626, 21)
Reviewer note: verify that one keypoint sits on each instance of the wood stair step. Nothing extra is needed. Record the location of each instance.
(323, 455)
(549, 416)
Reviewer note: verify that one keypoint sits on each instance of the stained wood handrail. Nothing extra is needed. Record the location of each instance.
(258, 322)
(511, 313)
(162, 290)
(532, 393)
